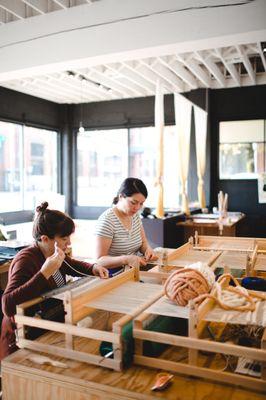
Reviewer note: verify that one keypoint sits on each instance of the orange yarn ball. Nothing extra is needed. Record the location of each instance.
(184, 285)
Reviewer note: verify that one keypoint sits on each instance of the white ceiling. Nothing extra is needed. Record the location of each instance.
(73, 51)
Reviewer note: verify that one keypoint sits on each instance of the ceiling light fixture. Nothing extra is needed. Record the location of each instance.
(90, 82)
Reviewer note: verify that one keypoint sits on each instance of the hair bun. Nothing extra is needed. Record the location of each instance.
(42, 207)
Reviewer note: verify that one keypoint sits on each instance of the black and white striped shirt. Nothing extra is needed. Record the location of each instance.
(124, 241)
(58, 278)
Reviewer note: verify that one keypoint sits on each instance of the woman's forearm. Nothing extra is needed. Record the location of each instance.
(112, 261)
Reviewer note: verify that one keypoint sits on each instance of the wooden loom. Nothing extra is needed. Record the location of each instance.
(198, 320)
(248, 254)
(179, 258)
(227, 253)
(123, 294)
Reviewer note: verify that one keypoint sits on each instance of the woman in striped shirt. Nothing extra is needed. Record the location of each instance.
(40, 268)
(120, 237)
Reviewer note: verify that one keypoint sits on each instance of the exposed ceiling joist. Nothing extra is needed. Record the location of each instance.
(196, 69)
(41, 6)
(62, 3)
(212, 67)
(163, 72)
(152, 77)
(99, 75)
(230, 67)
(247, 64)
(182, 72)
(111, 55)
(18, 9)
(124, 81)
(262, 56)
(132, 73)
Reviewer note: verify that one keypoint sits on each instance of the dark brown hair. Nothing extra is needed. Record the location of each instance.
(131, 186)
(51, 223)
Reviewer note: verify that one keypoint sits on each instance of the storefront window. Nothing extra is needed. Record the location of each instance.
(28, 165)
(107, 157)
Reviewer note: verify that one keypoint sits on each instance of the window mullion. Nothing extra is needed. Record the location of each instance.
(22, 167)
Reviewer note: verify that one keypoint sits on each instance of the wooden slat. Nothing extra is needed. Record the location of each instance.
(200, 344)
(67, 328)
(72, 354)
(220, 376)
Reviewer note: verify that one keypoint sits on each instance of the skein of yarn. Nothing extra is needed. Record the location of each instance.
(188, 283)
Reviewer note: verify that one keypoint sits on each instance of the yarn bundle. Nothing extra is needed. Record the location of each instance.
(189, 282)
(235, 297)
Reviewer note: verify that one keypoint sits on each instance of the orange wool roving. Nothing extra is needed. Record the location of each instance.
(186, 284)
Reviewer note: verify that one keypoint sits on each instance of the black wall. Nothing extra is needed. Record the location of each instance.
(129, 112)
(237, 104)
(22, 108)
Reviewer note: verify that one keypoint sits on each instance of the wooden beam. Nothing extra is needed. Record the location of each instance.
(247, 64)
(230, 67)
(262, 55)
(26, 48)
(182, 72)
(197, 70)
(67, 328)
(71, 354)
(220, 376)
(200, 344)
(212, 67)
(14, 7)
(41, 6)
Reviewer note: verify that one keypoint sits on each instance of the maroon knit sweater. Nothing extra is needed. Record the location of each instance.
(25, 282)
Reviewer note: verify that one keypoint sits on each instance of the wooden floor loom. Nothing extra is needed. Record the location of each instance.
(200, 319)
(179, 258)
(248, 254)
(239, 256)
(142, 302)
(123, 294)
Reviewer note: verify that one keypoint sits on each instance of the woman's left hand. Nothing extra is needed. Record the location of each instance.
(150, 255)
(100, 271)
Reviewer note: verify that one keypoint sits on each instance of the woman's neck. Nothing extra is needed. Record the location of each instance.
(125, 219)
(45, 251)
(121, 213)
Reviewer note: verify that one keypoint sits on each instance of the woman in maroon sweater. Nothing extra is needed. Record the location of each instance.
(40, 268)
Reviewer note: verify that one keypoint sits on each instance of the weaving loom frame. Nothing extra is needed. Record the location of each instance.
(250, 250)
(194, 342)
(76, 308)
(253, 248)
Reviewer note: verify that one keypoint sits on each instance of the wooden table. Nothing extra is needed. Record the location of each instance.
(207, 224)
(24, 380)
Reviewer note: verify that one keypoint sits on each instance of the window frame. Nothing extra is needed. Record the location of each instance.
(25, 215)
(219, 143)
(93, 212)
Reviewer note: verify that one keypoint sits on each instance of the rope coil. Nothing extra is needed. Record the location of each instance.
(189, 283)
(233, 297)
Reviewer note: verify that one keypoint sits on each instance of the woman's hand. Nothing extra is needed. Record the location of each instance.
(53, 263)
(149, 255)
(100, 271)
(134, 261)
